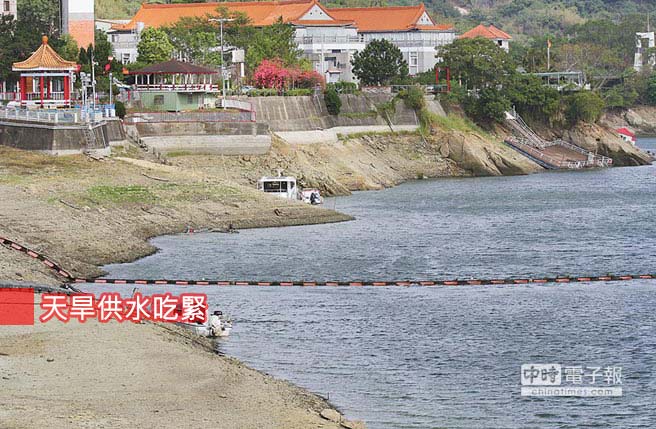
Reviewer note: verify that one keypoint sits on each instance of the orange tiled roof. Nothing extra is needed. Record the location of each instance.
(44, 58)
(490, 32)
(378, 19)
(260, 13)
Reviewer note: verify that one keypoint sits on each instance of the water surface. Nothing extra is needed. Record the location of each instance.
(447, 357)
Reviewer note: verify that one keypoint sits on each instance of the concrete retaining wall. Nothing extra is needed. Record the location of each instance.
(217, 144)
(148, 129)
(55, 139)
(310, 113)
(115, 130)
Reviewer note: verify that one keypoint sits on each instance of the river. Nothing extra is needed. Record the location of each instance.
(447, 357)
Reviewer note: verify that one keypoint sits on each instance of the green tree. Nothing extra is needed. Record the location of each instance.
(154, 46)
(274, 41)
(651, 90)
(379, 63)
(40, 17)
(67, 48)
(196, 38)
(584, 106)
(489, 105)
(478, 63)
(333, 102)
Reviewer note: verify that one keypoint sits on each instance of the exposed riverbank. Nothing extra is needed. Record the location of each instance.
(126, 375)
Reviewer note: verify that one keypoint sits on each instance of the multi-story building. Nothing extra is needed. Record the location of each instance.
(9, 7)
(328, 37)
(410, 28)
(77, 19)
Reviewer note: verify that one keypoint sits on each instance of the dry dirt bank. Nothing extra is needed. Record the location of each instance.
(369, 161)
(86, 213)
(125, 375)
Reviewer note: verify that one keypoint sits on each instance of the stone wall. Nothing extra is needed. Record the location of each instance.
(310, 113)
(51, 138)
(150, 129)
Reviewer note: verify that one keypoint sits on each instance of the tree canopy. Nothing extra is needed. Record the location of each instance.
(379, 63)
(154, 46)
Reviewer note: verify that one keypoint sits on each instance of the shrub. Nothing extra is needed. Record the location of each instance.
(298, 92)
(413, 97)
(345, 87)
(333, 103)
(263, 92)
(120, 109)
(584, 106)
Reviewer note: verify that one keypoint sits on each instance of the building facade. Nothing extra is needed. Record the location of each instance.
(327, 37)
(9, 8)
(77, 19)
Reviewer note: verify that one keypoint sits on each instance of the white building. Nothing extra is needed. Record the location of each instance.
(328, 37)
(9, 7)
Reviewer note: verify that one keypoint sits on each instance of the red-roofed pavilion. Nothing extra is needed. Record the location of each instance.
(45, 78)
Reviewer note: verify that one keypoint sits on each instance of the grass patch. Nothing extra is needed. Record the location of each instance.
(120, 194)
(177, 153)
(448, 123)
(344, 137)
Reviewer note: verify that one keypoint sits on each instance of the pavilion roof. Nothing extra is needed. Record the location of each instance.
(174, 67)
(43, 59)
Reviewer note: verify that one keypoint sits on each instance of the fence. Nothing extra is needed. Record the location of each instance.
(58, 116)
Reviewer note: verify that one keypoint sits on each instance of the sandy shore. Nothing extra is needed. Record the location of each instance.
(84, 214)
(126, 375)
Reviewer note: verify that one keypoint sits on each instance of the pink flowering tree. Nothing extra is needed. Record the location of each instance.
(273, 74)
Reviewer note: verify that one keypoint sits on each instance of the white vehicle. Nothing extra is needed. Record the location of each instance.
(281, 186)
(217, 325)
(311, 196)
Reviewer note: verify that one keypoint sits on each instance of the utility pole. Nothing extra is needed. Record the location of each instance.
(93, 79)
(223, 80)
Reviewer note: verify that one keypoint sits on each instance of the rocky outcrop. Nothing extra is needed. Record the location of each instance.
(480, 156)
(641, 119)
(604, 141)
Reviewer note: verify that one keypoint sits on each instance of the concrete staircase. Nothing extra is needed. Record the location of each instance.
(553, 155)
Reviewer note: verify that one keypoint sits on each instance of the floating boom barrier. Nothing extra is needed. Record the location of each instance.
(68, 278)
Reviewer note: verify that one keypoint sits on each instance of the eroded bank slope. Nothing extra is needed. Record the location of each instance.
(370, 160)
(85, 213)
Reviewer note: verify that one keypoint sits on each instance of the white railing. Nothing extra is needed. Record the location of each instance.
(9, 96)
(58, 116)
(191, 87)
(316, 40)
(53, 96)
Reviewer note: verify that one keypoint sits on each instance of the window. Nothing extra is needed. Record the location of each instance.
(6, 6)
(114, 38)
(413, 59)
(158, 100)
(126, 59)
(190, 98)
